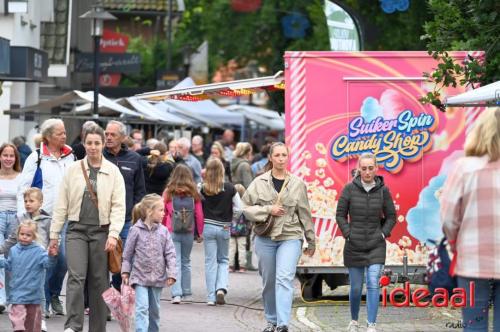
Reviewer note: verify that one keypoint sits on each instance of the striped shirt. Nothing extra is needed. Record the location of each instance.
(470, 213)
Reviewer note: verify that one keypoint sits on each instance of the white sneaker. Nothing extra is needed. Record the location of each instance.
(371, 327)
(353, 326)
(69, 330)
(44, 326)
(187, 298)
(176, 300)
(211, 303)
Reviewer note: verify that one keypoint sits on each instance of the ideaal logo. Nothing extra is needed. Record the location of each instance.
(441, 297)
(392, 141)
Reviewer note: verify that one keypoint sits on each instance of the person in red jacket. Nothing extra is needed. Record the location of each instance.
(184, 220)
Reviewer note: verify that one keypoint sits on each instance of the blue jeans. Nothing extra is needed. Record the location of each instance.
(8, 224)
(147, 308)
(116, 279)
(216, 240)
(476, 318)
(356, 276)
(55, 276)
(277, 266)
(183, 243)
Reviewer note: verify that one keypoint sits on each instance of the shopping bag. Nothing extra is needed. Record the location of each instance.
(128, 300)
(121, 305)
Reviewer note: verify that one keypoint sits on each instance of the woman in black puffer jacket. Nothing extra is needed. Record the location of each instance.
(367, 203)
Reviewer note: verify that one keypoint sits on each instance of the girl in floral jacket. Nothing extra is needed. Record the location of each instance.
(148, 261)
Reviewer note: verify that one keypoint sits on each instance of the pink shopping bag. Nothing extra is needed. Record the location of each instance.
(121, 305)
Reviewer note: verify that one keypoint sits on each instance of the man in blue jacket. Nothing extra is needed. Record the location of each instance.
(130, 165)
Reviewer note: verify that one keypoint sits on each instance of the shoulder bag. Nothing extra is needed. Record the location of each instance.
(115, 256)
(264, 228)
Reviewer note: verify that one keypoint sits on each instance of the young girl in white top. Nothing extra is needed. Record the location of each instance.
(10, 168)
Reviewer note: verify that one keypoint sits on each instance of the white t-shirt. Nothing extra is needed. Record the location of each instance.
(8, 192)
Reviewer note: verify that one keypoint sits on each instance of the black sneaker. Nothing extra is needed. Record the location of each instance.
(56, 305)
(270, 327)
(282, 328)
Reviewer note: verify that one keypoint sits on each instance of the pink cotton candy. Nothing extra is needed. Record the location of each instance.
(392, 103)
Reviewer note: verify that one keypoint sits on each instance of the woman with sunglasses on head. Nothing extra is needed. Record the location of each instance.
(366, 216)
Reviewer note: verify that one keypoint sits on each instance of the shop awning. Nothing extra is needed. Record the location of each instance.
(214, 90)
(149, 110)
(106, 107)
(486, 94)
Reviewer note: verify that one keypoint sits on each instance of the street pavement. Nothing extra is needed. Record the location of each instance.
(243, 311)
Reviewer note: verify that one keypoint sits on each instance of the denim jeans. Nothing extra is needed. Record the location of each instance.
(8, 224)
(356, 276)
(116, 279)
(183, 243)
(55, 275)
(147, 308)
(476, 318)
(277, 266)
(216, 240)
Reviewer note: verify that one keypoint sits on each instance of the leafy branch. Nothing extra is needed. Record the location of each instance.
(450, 73)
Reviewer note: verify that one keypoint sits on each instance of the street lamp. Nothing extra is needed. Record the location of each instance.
(97, 15)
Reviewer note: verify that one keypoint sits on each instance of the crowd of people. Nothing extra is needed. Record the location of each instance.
(66, 208)
(72, 205)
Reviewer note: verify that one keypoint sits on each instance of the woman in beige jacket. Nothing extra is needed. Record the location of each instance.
(94, 225)
(280, 250)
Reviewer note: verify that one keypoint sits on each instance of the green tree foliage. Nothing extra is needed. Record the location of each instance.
(462, 25)
(249, 36)
(398, 31)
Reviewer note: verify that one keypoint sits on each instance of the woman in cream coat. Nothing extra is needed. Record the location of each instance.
(93, 229)
(280, 250)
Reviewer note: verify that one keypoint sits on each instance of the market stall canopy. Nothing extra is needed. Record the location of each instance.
(107, 107)
(486, 94)
(264, 117)
(75, 96)
(213, 90)
(149, 110)
(197, 120)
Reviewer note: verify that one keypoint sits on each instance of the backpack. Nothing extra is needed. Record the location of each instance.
(183, 214)
(438, 268)
(38, 177)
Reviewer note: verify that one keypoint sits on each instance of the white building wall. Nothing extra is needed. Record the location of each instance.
(22, 29)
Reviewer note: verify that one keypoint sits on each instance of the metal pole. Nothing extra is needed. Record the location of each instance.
(96, 76)
(169, 36)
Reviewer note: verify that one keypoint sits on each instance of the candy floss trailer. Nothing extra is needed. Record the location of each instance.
(342, 104)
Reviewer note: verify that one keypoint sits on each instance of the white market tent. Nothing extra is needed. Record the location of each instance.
(488, 93)
(205, 111)
(261, 116)
(149, 110)
(76, 97)
(106, 105)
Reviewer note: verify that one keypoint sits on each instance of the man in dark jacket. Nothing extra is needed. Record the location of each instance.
(130, 165)
(372, 215)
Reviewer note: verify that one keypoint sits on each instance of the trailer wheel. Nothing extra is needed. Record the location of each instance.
(311, 286)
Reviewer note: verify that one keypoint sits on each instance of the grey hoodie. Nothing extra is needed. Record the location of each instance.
(43, 222)
(241, 172)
